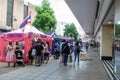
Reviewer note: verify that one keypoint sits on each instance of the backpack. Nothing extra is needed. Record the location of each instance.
(77, 49)
(65, 48)
(19, 54)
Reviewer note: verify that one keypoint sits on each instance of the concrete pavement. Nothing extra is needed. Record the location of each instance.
(86, 70)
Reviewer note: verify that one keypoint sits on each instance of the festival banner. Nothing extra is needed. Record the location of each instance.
(15, 35)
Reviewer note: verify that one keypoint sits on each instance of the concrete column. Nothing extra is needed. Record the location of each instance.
(106, 42)
(18, 13)
(3, 13)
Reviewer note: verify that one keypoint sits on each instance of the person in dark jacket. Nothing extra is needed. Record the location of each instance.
(66, 52)
(39, 49)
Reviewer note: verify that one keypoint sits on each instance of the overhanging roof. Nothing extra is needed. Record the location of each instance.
(85, 12)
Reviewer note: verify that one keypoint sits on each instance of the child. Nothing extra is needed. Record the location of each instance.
(19, 57)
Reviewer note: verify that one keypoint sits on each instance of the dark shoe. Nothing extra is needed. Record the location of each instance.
(39, 65)
(23, 65)
(65, 64)
(13, 66)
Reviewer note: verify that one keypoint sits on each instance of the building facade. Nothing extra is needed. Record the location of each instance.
(60, 28)
(18, 13)
(3, 13)
(13, 12)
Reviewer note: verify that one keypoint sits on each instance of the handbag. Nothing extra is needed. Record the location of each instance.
(70, 58)
(83, 57)
(61, 59)
(33, 52)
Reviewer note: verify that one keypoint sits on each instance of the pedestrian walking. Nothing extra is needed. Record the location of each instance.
(87, 46)
(65, 52)
(39, 49)
(77, 48)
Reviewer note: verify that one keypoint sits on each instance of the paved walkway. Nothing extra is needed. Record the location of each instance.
(4, 69)
(86, 70)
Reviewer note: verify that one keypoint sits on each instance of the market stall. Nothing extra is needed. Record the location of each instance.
(24, 36)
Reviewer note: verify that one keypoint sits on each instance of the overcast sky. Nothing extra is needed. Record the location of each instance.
(62, 12)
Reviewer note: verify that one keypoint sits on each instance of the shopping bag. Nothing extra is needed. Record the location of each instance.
(61, 59)
(33, 52)
(70, 58)
(83, 57)
(33, 61)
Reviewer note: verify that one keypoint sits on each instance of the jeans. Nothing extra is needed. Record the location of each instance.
(38, 60)
(76, 56)
(65, 56)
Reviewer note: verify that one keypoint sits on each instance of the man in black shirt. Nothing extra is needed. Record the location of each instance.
(39, 49)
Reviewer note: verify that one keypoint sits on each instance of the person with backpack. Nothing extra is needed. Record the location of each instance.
(39, 51)
(65, 52)
(77, 50)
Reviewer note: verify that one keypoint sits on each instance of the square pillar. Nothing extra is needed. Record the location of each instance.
(106, 48)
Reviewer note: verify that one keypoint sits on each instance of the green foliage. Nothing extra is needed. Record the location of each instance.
(117, 30)
(71, 31)
(45, 19)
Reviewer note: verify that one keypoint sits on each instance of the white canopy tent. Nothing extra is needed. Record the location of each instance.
(27, 29)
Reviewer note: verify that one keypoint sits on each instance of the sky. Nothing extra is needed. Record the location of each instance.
(62, 12)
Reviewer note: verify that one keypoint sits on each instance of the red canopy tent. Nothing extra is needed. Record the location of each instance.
(20, 36)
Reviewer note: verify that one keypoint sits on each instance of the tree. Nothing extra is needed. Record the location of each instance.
(71, 31)
(45, 19)
(117, 30)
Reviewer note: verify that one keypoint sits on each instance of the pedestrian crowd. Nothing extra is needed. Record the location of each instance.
(40, 52)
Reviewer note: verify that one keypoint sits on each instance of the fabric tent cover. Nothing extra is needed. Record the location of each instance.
(50, 32)
(28, 29)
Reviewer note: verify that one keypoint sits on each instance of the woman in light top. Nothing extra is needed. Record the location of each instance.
(9, 55)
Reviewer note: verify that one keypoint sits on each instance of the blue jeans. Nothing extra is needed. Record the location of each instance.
(65, 56)
(76, 56)
(38, 60)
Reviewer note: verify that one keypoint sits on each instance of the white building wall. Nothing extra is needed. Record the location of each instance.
(60, 28)
(3, 13)
(18, 13)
